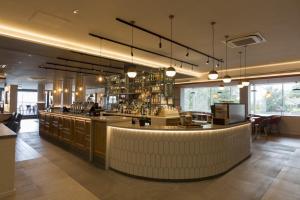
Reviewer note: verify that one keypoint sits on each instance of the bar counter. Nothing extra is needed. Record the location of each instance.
(7, 161)
(81, 134)
(177, 153)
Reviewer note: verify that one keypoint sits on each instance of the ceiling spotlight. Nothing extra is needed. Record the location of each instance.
(80, 88)
(76, 11)
(170, 72)
(187, 53)
(29, 55)
(213, 75)
(76, 93)
(131, 73)
(227, 79)
(54, 91)
(59, 89)
(207, 62)
(66, 90)
(20, 62)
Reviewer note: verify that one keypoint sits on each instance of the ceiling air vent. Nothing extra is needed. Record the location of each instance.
(246, 40)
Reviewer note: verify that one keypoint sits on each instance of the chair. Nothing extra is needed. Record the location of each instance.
(17, 123)
(11, 120)
(274, 122)
(256, 126)
(266, 125)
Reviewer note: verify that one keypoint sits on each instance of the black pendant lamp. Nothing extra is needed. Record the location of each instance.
(226, 78)
(131, 72)
(245, 82)
(213, 74)
(170, 71)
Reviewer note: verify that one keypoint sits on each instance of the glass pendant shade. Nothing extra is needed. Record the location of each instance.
(213, 75)
(268, 94)
(221, 87)
(170, 72)
(227, 79)
(240, 85)
(245, 83)
(100, 78)
(131, 73)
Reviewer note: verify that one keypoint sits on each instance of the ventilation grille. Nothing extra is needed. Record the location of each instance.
(246, 40)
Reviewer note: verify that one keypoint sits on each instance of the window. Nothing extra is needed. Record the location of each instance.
(276, 98)
(27, 102)
(201, 98)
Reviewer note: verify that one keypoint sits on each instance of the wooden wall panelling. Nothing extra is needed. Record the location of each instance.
(67, 130)
(99, 142)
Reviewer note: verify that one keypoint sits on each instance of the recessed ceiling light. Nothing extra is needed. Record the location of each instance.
(29, 55)
(76, 11)
(20, 62)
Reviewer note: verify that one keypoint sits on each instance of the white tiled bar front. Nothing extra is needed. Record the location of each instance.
(174, 153)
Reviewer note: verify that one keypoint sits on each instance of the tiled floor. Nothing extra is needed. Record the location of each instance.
(271, 173)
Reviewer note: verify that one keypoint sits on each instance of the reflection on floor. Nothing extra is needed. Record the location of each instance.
(271, 173)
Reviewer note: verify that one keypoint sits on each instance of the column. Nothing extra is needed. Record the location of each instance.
(67, 92)
(244, 98)
(80, 88)
(41, 96)
(57, 93)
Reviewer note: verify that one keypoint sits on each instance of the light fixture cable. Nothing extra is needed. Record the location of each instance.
(171, 43)
(245, 58)
(213, 42)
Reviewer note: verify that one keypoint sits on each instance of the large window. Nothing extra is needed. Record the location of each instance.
(276, 98)
(201, 98)
(27, 102)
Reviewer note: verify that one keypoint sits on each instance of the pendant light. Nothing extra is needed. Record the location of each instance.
(170, 71)
(213, 75)
(240, 85)
(245, 82)
(100, 77)
(227, 78)
(131, 72)
(268, 94)
(221, 86)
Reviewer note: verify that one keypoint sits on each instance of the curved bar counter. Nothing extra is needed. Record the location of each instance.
(177, 153)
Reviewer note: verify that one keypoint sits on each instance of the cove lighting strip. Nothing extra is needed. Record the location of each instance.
(271, 74)
(30, 36)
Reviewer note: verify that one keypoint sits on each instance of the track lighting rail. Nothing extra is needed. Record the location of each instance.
(80, 68)
(140, 49)
(89, 63)
(67, 70)
(95, 56)
(168, 39)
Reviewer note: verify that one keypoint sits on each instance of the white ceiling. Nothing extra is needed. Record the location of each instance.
(277, 20)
